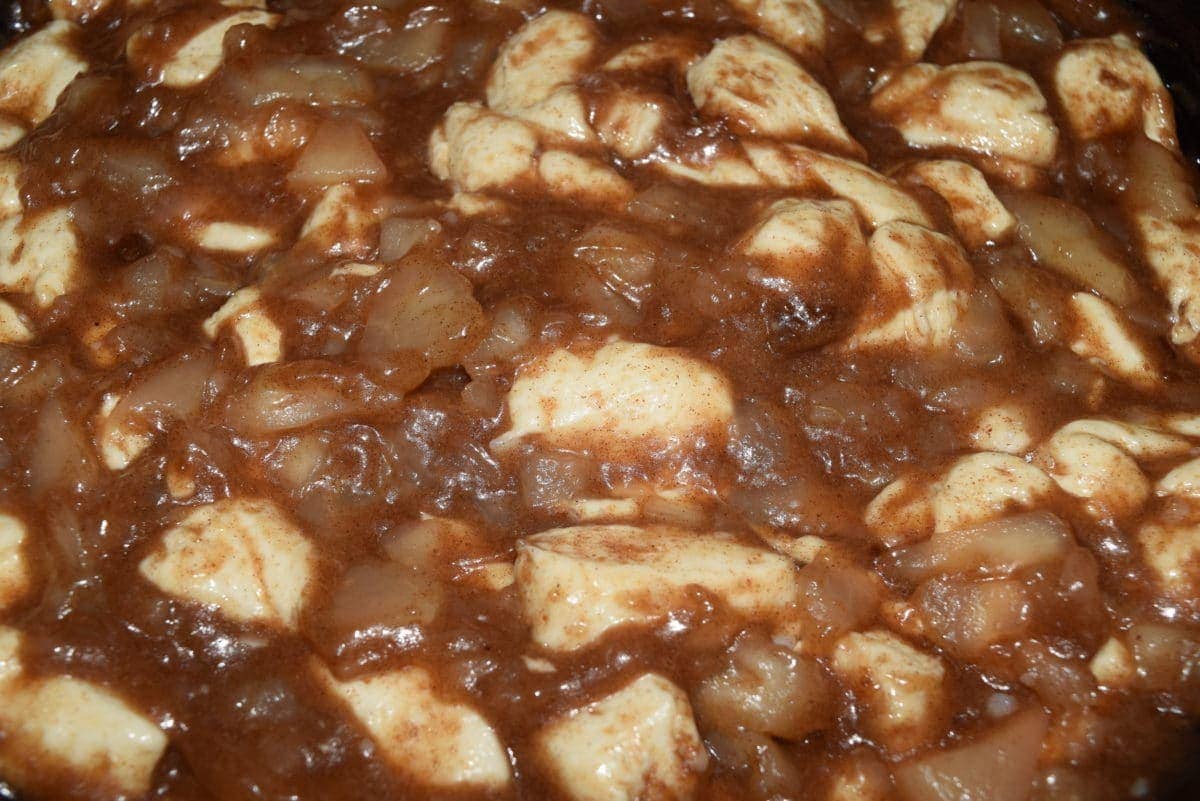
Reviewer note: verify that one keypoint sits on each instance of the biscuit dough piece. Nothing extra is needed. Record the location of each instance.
(439, 743)
(243, 557)
(577, 583)
(798, 25)
(637, 743)
(34, 72)
(616, 397)
(197, 58)
(978, 214)
(913, 24)
(900, 688)
(759, 90)
(261, 339)
(1107, 86)
(983, 108)
(64, 721)
(922, 281)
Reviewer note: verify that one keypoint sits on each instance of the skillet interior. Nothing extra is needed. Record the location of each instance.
(1171, 36)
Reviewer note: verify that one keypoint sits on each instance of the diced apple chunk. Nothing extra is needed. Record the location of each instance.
(998, 766)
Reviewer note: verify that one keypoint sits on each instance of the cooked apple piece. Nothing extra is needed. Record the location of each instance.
(1064, 239)
(1000, 765)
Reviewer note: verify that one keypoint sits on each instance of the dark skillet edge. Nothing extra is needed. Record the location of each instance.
(1170, 33)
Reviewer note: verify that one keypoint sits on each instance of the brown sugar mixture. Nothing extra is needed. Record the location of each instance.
(676, 400)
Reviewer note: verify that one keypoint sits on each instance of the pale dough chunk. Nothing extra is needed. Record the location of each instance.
(561, 117)
(1107, 86)
(119, 446)
(1143, 442)
(14, 565)
(1113, 665)
(1183, 480)
(978, 214)
(533, 75)
(1105, 338)
(40, 254)
(196, 59)
(984, 486)
(759, 90)
(798, 25)
(796, 238)
(668, 53)
(1096, 460)
(243, 557)
(577, 583)
(974, 489)
(1007, 428)
(1172, 551)
(10, 186)
(439, 743)
(539, 58)
(230, 237)
(630, 123)
(1172, 251)
(261, 339)
(722, 170)
(878, 199)
(981, 107)
(922, 282)
(901, 512)
(342, 223)
(637, 743)
(35, 71)
(62, 720)
(1088, 467)
(479, 149)
(914, 23)
(14, 328)
(569, 175)
(622, 395)
(899, 687)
